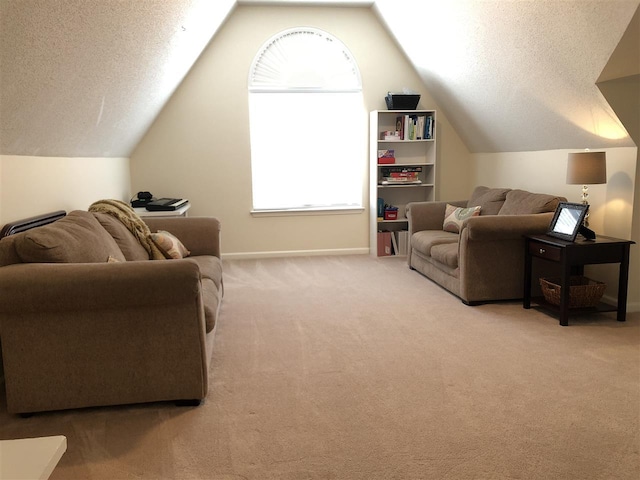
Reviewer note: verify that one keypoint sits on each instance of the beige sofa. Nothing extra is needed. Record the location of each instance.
(86, 319)
(485, 260)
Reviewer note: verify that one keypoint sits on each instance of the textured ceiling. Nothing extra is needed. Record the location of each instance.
(517, 75)
(88, 77)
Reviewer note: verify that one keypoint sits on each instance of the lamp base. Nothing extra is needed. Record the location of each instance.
(585, 195)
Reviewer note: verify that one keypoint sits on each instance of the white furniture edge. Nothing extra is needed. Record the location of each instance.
(143, 212)
(31, 458)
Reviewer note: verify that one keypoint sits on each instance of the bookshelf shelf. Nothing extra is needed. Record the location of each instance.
(405, 141)
(397, 220)
(414, 185)
(413, 158)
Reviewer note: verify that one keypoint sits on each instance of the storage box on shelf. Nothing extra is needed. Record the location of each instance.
(402, 170)
(391, 214)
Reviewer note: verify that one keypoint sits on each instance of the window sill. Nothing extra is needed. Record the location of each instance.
(286, 212)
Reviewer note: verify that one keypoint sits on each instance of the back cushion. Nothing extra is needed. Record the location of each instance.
(76, 238)
(8, 254)
(490, 199)
(521, 202)
(128, 243)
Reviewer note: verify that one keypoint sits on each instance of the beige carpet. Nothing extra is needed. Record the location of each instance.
(357, 368)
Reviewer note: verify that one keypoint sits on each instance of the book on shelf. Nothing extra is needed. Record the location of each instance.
(414, 127)
(399, 171)
(384, 244)
(400, 126)
(400, 181)
(405, 125)
(428, 127)
(402, 240)
(408, 127)
(420, 124)
(400, 175)
(394, 243)
(401, 178)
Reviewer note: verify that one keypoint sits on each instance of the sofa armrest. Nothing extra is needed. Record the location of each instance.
(491, 254)
(493, 227)
(81, 335)
(201, 235)
(428, 215)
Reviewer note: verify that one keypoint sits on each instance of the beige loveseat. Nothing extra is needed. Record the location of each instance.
(485, 260)
(87, 319)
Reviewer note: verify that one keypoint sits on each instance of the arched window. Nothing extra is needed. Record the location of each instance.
(307, 124)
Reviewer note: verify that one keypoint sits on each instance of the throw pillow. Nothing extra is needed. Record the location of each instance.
(454, 216)
(169, 245)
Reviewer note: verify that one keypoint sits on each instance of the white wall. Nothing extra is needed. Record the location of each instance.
(611, 204)
(33, 185)
(198, 147)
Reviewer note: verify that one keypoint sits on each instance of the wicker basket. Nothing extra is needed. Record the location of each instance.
(583, 292)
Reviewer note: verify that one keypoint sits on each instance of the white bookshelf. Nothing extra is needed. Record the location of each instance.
(410, 154)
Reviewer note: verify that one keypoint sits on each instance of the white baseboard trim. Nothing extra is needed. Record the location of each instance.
(294, 253)
(632, 307)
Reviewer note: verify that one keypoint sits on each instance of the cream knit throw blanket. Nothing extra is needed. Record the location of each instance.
(132, 221)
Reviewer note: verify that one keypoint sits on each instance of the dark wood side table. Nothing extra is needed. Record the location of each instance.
(572, 256)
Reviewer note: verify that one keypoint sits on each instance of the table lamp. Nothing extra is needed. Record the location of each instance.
(586, 168)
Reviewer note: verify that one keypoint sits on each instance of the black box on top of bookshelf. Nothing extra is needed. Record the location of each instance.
(402, 101)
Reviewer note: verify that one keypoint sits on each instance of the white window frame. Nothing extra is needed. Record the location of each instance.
(284, 67)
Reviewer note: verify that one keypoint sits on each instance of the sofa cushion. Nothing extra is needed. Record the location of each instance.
(490, 199)
(75, 238)
(424, 240)
(211, 273)
(210, 267)
(446, 253)
(210, 300)
(455, 216)
(521, 202)
(128, 243)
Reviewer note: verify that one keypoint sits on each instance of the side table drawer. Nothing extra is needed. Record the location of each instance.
(542, 250)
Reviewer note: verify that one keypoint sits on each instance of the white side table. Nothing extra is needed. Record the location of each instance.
(30, 458)
(180, 212)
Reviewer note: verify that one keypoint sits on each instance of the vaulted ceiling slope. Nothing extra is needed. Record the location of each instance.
(517, 75)
(88, 77)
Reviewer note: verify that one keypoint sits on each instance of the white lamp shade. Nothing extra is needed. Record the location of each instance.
(587, 168)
